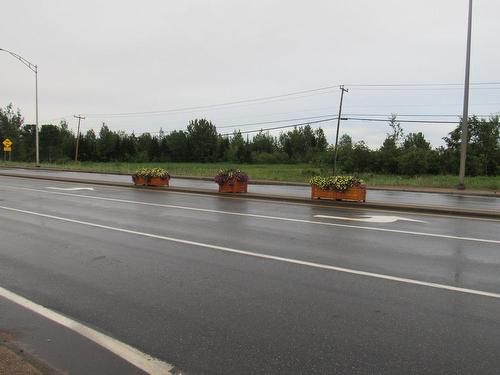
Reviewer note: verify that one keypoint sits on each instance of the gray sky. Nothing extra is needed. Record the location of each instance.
(108, 57)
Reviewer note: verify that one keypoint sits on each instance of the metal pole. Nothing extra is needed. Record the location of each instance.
(465, 116)
(338, 127)
(78, 136)
(37, 146)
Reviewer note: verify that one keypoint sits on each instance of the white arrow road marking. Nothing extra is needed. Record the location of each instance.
(371, 219)
(71, 189)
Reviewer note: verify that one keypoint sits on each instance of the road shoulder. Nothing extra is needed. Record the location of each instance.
(38, 346)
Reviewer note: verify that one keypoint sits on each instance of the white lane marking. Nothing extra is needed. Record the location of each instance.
(137, 358)
(264, 256)
(423, 234)
(372, 219)
(71, 189)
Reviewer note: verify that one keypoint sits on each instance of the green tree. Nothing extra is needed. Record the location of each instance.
(106, 144)
(177, 143)
(263, 142)
(50, 143)
(239, 150)
(397, 132)
(416, 141)
(483, 146)
(361, 157)
(344, 153)
(202, 140)
(387, 156)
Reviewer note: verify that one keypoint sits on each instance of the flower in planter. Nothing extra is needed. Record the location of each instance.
(229, 176)
(148, 173)
(340, 183)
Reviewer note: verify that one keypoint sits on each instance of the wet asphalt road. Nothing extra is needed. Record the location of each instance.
(209, 311)
(382, 196)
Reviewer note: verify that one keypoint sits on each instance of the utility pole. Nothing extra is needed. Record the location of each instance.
(465, 116)
(79, 117)
(338, 127)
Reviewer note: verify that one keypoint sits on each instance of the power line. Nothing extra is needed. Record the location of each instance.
(285, 96)
(210, 106)
(422, 88)
(420, 84)
(273, 121)
(402, 120)
(345, 119)
(282, 127)
(355, 116)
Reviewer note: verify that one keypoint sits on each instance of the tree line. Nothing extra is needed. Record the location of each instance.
(409, 154)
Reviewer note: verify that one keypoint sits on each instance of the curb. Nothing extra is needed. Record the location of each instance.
(407, 189)
(279, 198)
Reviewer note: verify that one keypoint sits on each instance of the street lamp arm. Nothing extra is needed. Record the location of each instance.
(31, 66)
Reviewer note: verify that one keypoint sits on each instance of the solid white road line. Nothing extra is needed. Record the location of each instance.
(424, 234)
(263, 256)
(137, 358)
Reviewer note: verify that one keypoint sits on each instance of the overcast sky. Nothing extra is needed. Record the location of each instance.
(111, 57)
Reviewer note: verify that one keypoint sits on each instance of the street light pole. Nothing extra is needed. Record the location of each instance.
(37, 142)
(33, 68)
(465, 116)
(338, 127)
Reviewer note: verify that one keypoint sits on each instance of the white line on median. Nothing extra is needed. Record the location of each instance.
(137, 358)
(423, 234)
(264, 256)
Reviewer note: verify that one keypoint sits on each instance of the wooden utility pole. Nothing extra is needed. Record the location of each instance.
(338, 127)
(79, 117)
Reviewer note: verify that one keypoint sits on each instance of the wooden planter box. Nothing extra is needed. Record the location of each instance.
(155, 181)
(355, 193)
(235, 187)
(139, 180)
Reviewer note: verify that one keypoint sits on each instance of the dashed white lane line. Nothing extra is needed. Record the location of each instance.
(376, 229)
(137, 358)
(265, 256)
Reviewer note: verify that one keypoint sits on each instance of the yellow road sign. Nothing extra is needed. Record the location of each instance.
(7, 149)
(7, 143)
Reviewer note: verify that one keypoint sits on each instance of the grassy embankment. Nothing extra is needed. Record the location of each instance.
(276, 172)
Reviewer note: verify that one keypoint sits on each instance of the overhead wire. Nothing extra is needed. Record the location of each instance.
(285, 96)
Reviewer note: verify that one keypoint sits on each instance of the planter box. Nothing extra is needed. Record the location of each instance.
(235, 187)
(139, 180)
(355, 193)
(155, 181)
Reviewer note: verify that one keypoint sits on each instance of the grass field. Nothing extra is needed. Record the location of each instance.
(276, 172)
